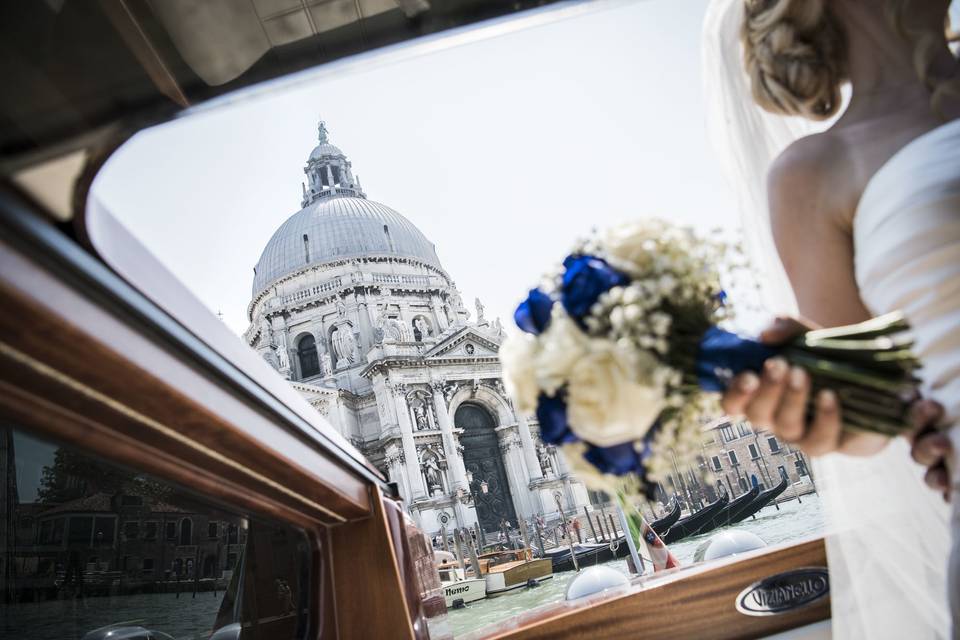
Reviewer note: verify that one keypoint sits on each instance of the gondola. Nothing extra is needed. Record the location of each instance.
(588, 555)
(762, 500)
(733, 510)
(663, 524)
(688, 526)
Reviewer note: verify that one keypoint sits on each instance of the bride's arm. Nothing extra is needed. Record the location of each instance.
(810, 205)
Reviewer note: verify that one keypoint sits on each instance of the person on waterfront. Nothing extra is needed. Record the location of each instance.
(865, 219)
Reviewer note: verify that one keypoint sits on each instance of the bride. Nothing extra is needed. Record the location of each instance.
(865, 218)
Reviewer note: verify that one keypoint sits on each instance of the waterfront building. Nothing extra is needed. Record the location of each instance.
(734, 457)
(740, 456)
(351, 304)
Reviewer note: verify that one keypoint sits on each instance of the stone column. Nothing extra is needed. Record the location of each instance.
(454, 459)
(414, 475)
(510, 451)
(330, 176)
(529, 451)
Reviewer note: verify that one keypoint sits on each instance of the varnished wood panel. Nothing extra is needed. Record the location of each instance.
(100, 365)
(697, 602)
(368, 584)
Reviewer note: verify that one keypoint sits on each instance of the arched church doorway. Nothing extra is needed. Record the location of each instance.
(481, 457)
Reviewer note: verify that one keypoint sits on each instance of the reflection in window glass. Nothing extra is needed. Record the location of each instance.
(73, 560)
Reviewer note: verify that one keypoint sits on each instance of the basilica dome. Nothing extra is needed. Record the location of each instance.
(340, 227)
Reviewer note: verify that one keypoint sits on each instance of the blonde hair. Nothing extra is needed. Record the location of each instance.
(795, 55)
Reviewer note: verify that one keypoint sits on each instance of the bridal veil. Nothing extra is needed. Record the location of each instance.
(887, 537)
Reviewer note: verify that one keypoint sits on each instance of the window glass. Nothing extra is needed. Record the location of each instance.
(74, 565)
(774, 445)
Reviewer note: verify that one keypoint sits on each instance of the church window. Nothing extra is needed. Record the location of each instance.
(307, 355)
(306, 247)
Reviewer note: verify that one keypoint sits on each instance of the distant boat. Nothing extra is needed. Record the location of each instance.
(508, 570)
(733, 510)
(689, 525)
(663, 524)
(762, 500)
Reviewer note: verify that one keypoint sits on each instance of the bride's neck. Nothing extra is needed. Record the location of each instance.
(881, 60)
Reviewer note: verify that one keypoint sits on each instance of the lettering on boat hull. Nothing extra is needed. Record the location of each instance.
(784, 592)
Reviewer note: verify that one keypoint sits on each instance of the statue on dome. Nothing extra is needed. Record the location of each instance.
(480, 308)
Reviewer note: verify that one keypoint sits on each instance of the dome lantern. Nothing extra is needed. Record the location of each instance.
(329, 173)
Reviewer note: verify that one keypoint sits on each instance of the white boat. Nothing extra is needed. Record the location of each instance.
(454, 584)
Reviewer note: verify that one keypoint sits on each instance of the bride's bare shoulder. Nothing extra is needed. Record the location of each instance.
(810, 179)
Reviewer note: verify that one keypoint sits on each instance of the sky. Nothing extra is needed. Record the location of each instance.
(503, 151)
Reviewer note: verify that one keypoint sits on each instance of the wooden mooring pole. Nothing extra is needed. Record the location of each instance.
(586, 512)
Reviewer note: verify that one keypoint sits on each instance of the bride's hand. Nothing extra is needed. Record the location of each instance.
(930, 446)
(777, 400)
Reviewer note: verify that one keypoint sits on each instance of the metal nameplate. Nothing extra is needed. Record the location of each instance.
(784, 592)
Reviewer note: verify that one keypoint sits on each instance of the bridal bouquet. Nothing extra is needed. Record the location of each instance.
(621, 349)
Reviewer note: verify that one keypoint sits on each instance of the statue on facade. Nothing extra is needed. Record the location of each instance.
(447, 311)
(421, 329)
(420, 416)
(389, 328)
(326, 364)
(431, 472)
(344, 345)
(480, 309)
(546, 465)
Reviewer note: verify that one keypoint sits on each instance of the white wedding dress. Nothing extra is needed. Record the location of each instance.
(906, 234)
(888, 535)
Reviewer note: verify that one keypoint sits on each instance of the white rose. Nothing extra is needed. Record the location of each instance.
(632, 243)
(561, 346)
(606, 403)
(517, 355)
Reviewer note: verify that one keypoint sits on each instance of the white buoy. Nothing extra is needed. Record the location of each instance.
(728, 543)
(594, 580)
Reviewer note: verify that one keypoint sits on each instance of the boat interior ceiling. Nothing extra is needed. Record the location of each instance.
(88, 73)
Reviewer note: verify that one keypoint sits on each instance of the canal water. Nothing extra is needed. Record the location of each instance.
(793, 521)
(186, 617)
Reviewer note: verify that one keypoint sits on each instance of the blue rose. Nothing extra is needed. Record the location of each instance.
(585, 279)
(552, 416)
(533, 314)
(617, 460)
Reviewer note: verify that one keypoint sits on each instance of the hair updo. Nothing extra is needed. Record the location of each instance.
(795, 55)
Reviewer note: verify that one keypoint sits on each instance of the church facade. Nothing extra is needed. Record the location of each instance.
(351, 304)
